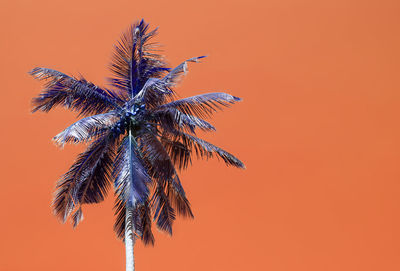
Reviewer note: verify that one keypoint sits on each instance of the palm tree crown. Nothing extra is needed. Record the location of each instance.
(139, 135)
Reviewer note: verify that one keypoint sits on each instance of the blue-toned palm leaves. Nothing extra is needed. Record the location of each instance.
(139, 135)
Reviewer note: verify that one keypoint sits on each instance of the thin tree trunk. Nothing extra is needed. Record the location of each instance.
(129, 239)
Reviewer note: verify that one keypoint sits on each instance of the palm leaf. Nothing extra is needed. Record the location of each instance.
(79, 95)
(173, 77)
(162, 166)
(131, 177)
(159, 164)
(156, 91)
(204, 149)
(119, 225)
(171, 118)
(164, 213)
(144, 223)
(95, 186)
(179, 154)
(86, 128)
(142, 215)
(202, 105)
(87, 181)
(134, 60)
(178, 198)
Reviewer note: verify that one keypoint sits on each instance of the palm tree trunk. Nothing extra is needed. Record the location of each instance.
(129, 239)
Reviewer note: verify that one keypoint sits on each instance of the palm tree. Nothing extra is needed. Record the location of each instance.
(138, 136)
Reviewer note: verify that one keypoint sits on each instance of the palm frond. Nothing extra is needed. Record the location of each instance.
(87, 128)
(96, 184)
(134, 59)
(171, 118)
(76, 94)
(87, 181)
(144, 223)
(159, 164)
(178, 198)
(119, 225)
(142, 220)
(173, 77)
(77, 217)
(131, 177)
(156, 91)
(202, 105)
(204, 149)
(164, 213)
(179, 153)
(153, 93)
(157, 153)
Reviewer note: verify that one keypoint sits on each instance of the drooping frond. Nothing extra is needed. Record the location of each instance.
(178, 198)
(119, 225)
(87, 128)
(131, 178)
(168, 200)
(76, 94)
(202, 105)
(204, 149)
(180, 145)
(168, 188)
(87, 181)
(158, 161)
(96, 184)
(169, 192)
(144, 225)
(179, 153)
(134, 60)
(164, 213)
(142, 215)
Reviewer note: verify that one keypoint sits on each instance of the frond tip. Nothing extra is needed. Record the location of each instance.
(173, 77)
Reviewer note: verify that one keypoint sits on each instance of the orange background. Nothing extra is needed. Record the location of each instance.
(318, 129)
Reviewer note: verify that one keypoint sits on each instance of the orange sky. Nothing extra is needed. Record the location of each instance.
(317, 128)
